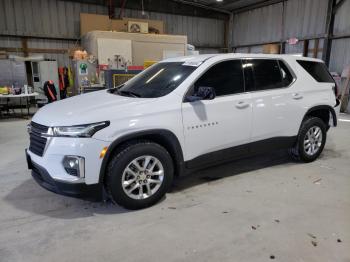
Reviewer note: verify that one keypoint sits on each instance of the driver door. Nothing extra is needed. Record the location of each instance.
(218, 129)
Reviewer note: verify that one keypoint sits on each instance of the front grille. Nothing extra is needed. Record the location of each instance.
(37, 141)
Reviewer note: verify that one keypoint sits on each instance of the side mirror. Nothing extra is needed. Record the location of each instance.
(202, 93)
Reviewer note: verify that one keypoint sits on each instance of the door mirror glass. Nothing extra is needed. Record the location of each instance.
(201, 93)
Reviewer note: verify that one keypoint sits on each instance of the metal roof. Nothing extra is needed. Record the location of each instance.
(230, 5)
(218, 6)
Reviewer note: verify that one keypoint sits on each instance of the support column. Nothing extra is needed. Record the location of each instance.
(327, 45)
(229, 34)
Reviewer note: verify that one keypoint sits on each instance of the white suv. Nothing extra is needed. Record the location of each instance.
(181, 114)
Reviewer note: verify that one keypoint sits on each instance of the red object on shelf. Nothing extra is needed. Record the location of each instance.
(103, 66)
(135, 68)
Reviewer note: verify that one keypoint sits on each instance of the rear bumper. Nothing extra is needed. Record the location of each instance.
(43, 178)
(337, 107)
(336, 112)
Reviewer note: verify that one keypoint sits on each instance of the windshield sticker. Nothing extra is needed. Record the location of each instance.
(192, 63)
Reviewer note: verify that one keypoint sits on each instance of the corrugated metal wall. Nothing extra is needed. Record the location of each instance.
(60, 19)
(305, 18)
(51, 18)
(54, 18)
(342, 20)
(203, 32)
(302, 19)
(340, 55)
(257, 26)
(62, 58)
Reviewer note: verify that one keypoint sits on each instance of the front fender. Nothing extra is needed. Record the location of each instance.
(164, 137)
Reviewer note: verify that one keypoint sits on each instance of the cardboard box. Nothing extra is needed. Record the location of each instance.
(118, 25)
(92, 22)
(3, 55)
(271, 49)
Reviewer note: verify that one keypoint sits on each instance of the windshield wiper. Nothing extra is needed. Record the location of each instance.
(114, 89)
(128, 93)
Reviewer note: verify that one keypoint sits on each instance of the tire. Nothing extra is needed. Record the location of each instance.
(305, 151)
(127, 171)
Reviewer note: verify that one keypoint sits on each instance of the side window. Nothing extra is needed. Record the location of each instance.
(267, 74)
(317, 70)
(225, 77)
(287, 77)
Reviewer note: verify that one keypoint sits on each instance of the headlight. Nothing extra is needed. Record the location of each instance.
(80, 130)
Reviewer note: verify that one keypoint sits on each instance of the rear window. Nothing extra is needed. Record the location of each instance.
(265, 74)
(317, 70)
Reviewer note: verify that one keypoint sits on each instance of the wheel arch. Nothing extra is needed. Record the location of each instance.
(322, 111)
(163, 137)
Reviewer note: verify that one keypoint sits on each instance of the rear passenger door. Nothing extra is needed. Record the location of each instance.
(274, 109)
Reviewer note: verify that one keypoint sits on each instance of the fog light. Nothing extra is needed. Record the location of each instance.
(74, 165)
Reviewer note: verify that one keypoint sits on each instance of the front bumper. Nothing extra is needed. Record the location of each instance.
(44, 179)
(58, 147)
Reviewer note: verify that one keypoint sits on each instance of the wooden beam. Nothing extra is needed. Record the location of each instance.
(35, 50)
(40, 37)
(321, 36)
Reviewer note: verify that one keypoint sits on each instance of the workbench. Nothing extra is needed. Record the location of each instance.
(20, 96)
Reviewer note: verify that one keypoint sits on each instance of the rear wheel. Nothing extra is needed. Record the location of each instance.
(139, 174)
(311, 140)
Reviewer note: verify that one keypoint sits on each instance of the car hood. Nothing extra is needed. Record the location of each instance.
(90, 108)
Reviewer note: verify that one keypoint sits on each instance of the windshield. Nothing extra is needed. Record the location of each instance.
(156, 81)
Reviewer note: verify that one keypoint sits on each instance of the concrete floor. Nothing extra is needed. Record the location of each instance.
(259, 209)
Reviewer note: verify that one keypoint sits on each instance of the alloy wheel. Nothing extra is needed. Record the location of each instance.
(313, 140)
(142, 177)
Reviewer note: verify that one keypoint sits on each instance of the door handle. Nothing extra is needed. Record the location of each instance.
(242, 105)
(297, 96)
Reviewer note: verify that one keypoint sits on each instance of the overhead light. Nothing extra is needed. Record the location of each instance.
(219, 0)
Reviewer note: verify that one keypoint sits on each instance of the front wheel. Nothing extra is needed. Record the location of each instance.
(311, 140)
(139, 174)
